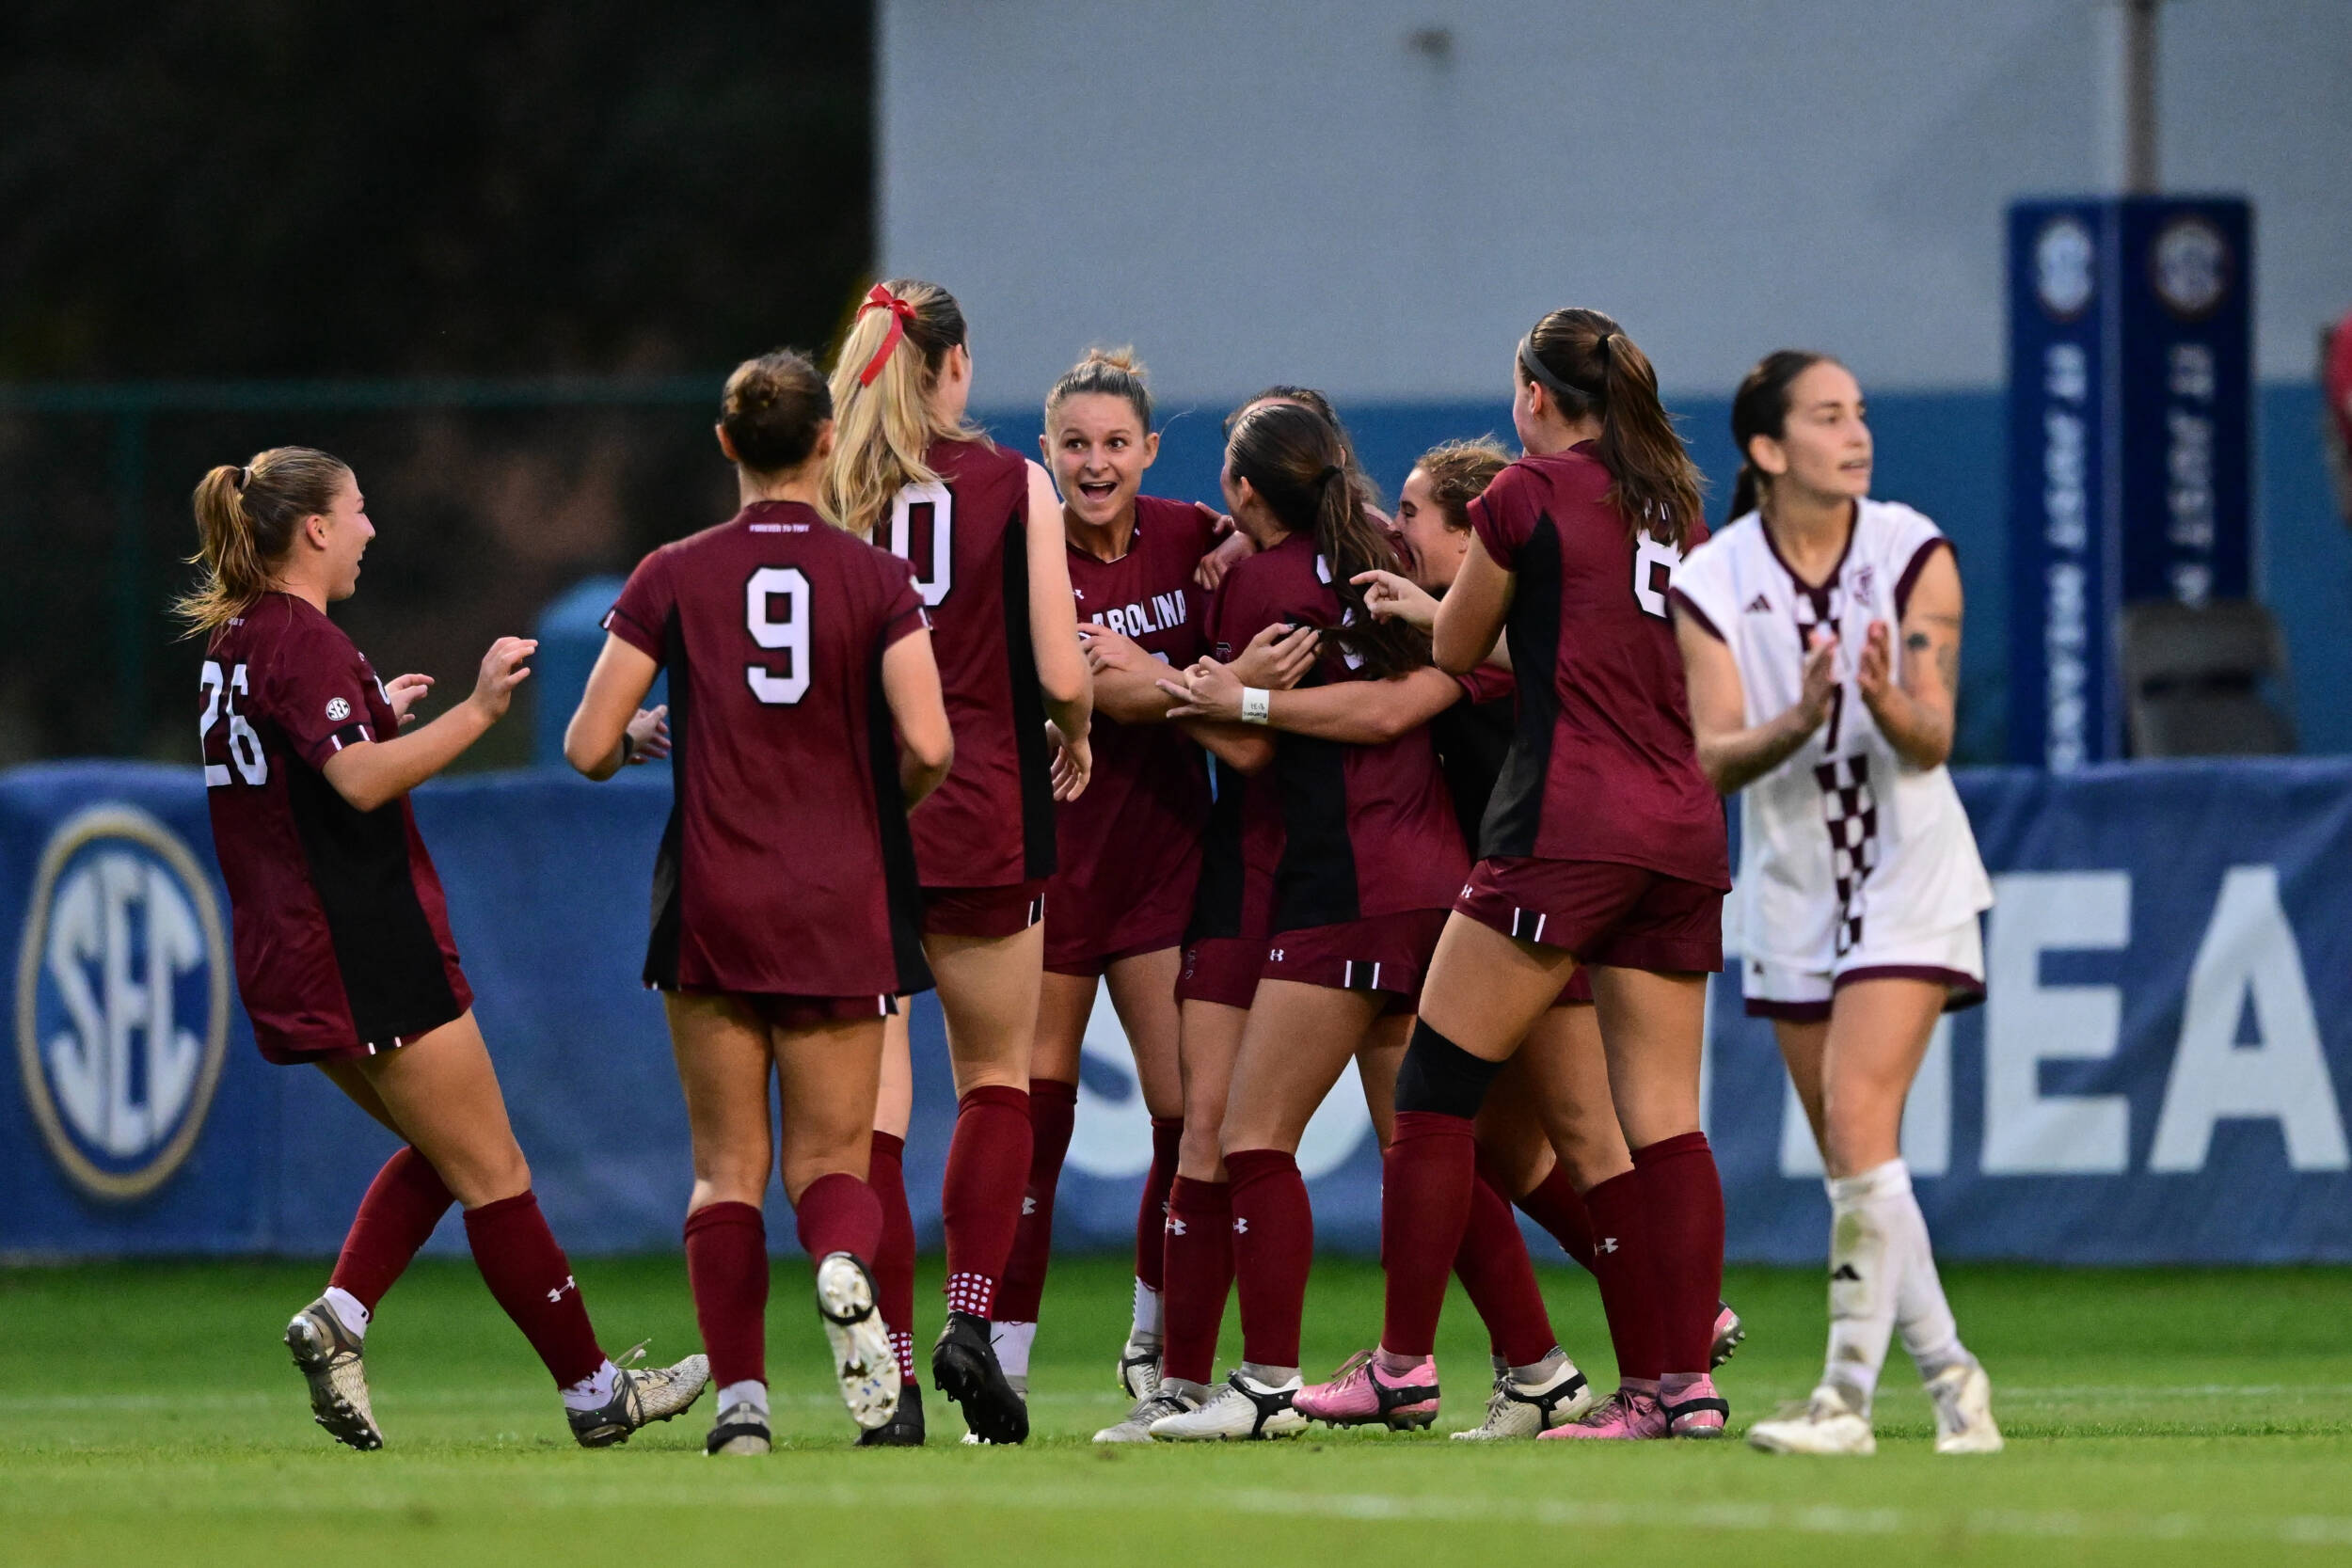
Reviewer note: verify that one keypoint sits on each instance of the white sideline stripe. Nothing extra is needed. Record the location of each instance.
(2317, 1529)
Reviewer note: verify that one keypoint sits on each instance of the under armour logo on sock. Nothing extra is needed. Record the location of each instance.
(557, 1294)
(1241, 1226)
(1607, 1243)
(1028, 1206)
(1847, 1272)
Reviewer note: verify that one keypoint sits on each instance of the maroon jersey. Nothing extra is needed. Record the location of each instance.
(1134, 838)
(1602, 767)
(786, 865)
(1351, 831)
(341, 932)
(991, 822)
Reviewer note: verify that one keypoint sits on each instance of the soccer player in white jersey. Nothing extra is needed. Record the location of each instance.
(1820, 630)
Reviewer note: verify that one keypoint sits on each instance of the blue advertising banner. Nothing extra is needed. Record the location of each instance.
(2159, 1075)
(2131, 443)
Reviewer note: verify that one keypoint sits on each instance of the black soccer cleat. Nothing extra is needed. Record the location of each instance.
(904, 1430)
(964, 1366)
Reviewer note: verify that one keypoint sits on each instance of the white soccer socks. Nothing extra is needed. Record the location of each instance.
(1883, 1276)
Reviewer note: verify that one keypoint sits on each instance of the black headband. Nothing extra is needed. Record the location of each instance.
(1540, 373)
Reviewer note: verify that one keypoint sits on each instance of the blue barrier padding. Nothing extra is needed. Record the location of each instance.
(2160, 1077)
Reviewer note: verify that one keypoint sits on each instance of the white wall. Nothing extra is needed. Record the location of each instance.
(1252, 190)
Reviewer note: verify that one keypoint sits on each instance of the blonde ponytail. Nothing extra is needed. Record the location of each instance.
(881, 385)
(246, 520)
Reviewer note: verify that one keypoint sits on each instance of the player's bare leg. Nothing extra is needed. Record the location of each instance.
(1852, 1074)
(831, 1075)
(1297, 1040)
(724, 1066)
(988, 990)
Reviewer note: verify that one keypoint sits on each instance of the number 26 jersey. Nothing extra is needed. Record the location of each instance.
(785, 868)
(342, 939)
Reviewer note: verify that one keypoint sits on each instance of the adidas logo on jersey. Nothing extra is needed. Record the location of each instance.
(1760, 606)
(1846, 1273)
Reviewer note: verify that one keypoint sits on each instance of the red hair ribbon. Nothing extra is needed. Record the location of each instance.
(880, 298)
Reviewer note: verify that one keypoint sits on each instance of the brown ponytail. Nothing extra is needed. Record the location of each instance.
(1296, 460)
(246, 522)
(1760, 407)
(1588, 366)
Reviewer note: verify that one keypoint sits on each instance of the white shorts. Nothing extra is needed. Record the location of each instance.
(1953, 956)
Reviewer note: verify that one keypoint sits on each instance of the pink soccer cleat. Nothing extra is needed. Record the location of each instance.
(1359, 1393)
(1692, 1407)
(1729, 1332)
(1622, 1417)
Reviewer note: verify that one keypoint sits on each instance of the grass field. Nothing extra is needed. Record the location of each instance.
(148, 1414)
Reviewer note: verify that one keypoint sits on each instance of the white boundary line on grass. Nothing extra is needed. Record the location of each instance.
(570, 1493)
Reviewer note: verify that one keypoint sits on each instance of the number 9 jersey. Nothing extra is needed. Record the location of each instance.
(785, 868)
(342, 938)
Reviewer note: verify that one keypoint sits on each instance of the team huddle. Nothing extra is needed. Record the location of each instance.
(1304, 782)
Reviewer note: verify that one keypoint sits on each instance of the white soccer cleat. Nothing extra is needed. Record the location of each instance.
(1516, 1409)
(1242, 1407)
(1962, 1397)
(1826, 1424)
(329, 1359)
(863, 1361)
(1137, 1427)
(1139, 1365)
(741, 1429)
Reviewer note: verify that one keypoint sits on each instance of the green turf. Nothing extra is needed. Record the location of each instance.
(147, 1414)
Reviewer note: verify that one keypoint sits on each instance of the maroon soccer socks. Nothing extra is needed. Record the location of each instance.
(894, 1259)
(987, 1166)
(1198, 1274)
(1500, 1279)
(1559, 1208)
(726, 1265)
(1053, 1113)
(1427, 1176)
(532, 1281)
(1273, 1244)
(1625, 1269)
(1167, 1138)
(396, 1218)
(1685, 1197)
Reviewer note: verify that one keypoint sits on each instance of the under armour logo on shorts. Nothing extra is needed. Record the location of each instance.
(1241, 1226)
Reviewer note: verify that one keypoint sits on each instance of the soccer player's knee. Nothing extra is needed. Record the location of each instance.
(1438, 1075)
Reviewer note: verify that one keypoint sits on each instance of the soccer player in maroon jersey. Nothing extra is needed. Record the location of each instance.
(1603, 845)
(982, 529)
(343, 952)
(1127, 851)
(785, 909)
(1364, 855)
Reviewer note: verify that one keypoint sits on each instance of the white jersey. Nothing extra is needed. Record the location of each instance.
(1844, 843)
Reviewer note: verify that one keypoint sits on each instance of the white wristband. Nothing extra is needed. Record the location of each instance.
(1257, 703)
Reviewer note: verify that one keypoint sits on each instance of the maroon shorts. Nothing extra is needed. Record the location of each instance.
(983, 911)
(783, 1011)
(1625, 916)
(1091, 965)
(1221, 969)
(1578, 993)
(1387, 952)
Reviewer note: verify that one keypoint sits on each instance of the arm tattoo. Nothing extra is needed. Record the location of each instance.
(1948, 664)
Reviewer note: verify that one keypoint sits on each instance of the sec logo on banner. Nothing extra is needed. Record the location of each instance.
(122, 1001)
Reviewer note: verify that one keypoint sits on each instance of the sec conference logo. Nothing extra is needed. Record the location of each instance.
(122, 1001)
